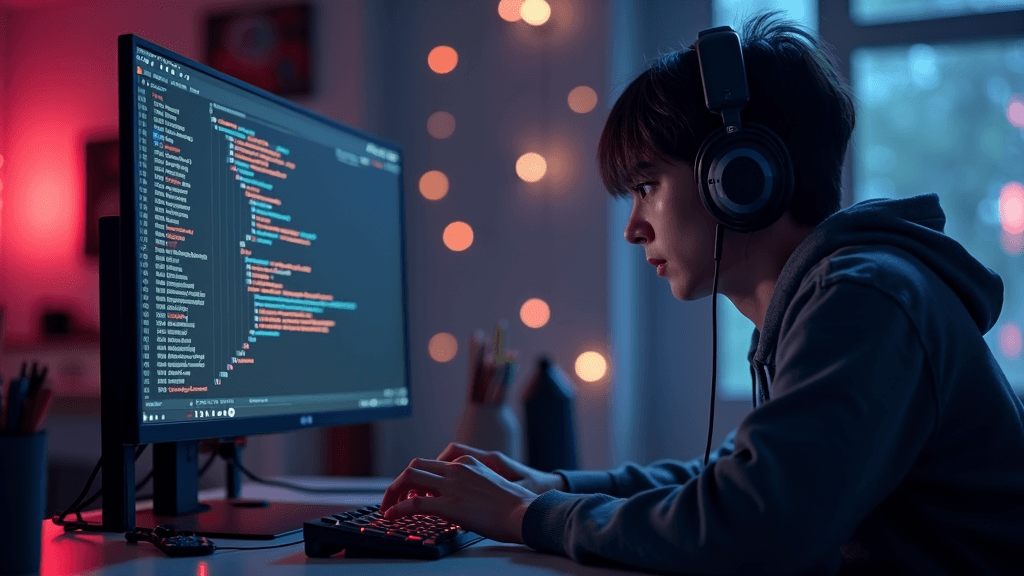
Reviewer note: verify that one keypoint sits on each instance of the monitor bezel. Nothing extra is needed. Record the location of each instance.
(133, 429)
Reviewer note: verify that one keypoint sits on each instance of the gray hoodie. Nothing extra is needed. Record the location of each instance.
(886, 438)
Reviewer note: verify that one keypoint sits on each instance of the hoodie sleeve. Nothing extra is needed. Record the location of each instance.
(630, 478)
(852, 406)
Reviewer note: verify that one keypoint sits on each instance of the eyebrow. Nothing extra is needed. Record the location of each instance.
(641, 170)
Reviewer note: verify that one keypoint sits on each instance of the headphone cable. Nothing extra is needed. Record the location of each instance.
(719, 233)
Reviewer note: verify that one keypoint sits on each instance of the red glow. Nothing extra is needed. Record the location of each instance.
(1010, 341)
(1015, 112)
(1011, 207)
(43, 218)
(203, 570)
(1013, 244)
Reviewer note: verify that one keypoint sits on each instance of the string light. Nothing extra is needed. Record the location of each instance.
(443, 59)
(535, 12)
(509, 10)
(535, 313)
(458, 236)
(442, 347)
(531, 167)
(582, 99)
(441, 125)
(434, 185)
(591, 366)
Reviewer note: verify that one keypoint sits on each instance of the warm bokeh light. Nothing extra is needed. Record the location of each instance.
(434, 185)
(441, 125)
(591, 366)
(443, 59)
(509, 9)
(1015, 112)
(1010, 341)
(535, 313)
(582, 99)
(1013, 244)
(458, 236)
(1, 160)
(1011, 207)
(443, 347)
(531, 167)
(535, 12)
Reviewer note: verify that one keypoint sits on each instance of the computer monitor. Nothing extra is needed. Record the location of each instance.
(254, 282)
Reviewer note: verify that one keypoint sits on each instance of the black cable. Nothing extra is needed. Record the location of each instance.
(296, 487)
(76, 508)
(719, 233)
(260, 547)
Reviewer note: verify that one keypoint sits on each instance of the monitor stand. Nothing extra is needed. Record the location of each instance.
(176, 502)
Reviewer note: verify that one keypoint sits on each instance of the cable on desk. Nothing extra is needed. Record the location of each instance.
(260, 547)
(290, 486)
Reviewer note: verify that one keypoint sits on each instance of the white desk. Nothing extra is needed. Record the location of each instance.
(109, 554)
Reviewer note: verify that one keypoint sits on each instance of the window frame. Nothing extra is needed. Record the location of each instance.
(837, 28)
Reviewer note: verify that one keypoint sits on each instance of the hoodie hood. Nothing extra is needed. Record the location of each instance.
(913, 224)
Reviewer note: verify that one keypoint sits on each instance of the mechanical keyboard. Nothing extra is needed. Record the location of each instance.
(364, 533)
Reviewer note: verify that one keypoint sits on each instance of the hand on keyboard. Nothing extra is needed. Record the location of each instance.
(467, 493)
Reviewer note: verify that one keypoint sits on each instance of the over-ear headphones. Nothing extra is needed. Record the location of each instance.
(744, 172)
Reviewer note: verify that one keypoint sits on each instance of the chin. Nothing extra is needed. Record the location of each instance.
(684, 293)
(688, 293)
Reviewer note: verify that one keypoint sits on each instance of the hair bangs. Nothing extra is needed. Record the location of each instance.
(627, 142)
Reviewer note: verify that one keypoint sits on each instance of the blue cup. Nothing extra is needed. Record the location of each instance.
(22, 501)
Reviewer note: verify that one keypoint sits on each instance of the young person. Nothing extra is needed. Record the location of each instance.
(886, 438)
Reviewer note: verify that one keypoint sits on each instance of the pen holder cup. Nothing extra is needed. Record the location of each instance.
(22, 494)
(490, 426)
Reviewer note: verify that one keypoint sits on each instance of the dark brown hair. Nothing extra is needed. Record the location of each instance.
(795, 90)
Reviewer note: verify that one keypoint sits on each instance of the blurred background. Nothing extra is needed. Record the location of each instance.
(498, 106)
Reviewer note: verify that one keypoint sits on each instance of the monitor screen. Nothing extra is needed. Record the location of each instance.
(263, 271)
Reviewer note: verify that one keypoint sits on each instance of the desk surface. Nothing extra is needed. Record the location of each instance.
(110, 555)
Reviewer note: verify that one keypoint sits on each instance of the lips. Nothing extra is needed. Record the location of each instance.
(660, 264)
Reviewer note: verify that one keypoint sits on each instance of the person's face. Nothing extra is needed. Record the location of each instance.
(670, 222)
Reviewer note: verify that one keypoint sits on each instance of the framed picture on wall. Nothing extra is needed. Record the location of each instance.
(101, 188)
(268, 47)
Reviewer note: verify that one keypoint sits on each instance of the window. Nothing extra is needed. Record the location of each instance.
(949, 119)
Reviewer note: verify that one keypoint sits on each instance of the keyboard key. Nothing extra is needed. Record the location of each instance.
(365, 532)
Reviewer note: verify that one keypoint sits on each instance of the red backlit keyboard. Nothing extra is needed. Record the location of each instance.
(365, 533)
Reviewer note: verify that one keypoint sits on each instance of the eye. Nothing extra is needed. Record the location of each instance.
(642, 188)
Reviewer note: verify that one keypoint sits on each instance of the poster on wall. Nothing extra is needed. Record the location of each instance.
(268, 47)
(102, 187)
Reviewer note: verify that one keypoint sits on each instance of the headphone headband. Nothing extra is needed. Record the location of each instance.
(743, 171)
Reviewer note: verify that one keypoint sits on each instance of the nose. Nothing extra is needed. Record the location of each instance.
(638, 231)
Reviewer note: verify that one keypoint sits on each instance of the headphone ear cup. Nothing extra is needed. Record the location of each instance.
(745, 178)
